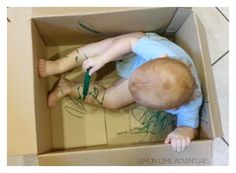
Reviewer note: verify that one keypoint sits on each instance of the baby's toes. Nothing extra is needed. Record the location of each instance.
(51, 100)
(42, 63)
(42, 68)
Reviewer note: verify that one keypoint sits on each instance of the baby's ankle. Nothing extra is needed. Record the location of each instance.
(57, 66)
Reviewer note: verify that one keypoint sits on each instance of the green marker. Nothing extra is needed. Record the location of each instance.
(86, 83)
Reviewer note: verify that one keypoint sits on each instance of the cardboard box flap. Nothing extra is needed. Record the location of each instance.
(65, 11)
(82, 29)
(215, 118)
(199, 153)
(20, 88)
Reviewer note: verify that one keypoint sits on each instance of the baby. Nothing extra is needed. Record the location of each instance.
(159, 74)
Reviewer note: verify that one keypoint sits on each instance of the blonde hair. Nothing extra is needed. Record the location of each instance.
(162, 83)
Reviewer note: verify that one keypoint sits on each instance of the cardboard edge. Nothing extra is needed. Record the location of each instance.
(58, 12)
(215, 118)
(127, 155)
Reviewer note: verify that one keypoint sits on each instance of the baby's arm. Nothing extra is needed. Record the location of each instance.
(121, 45)
(187, 123)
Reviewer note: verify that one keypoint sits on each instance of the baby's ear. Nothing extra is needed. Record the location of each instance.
(164, 56)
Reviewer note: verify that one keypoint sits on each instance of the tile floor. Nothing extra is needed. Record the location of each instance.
(216, 22)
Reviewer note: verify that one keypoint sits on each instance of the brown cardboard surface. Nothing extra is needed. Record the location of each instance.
(136, 155)
(21, 127)
(42, 112)
(83, 125)
(66, 30)
(65, 11)
(118, 126)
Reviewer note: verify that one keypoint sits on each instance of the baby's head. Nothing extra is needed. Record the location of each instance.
(162, 84)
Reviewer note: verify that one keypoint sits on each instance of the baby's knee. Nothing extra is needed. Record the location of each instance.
(110, 103)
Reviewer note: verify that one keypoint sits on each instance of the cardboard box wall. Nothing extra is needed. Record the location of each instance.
(29, 128)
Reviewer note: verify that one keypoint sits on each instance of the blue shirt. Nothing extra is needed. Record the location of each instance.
(153, 46)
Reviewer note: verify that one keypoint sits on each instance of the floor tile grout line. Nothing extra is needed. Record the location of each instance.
(225, 141)
(220, 58)
(222, 14)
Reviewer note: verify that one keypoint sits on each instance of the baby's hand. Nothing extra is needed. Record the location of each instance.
(180, 138)
(95, 63)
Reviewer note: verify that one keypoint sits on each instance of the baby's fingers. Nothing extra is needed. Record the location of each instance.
(92, 70)
(84, 64)
(173, 144)
(87, 65)
(178, 144)
(168, 139)
(183, 144)
(188, 141)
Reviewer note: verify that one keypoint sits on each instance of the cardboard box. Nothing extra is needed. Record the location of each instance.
(101, 137)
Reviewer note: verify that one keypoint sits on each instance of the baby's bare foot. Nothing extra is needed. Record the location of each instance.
(64, 88)
(47, 68)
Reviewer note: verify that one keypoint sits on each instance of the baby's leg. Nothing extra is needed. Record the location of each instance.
(78, 56)
(73, 59)
(114, 97)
